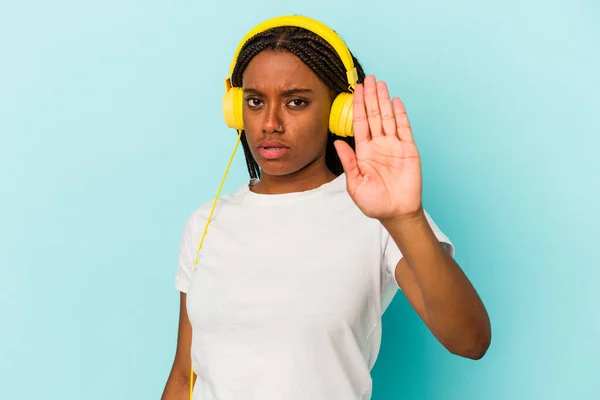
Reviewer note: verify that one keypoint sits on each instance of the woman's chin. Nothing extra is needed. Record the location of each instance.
(276, 169)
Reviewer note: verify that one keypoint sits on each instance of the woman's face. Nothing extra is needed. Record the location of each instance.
(286, 114)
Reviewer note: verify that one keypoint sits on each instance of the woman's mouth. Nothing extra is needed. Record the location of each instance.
(272, 153)
(272, 150)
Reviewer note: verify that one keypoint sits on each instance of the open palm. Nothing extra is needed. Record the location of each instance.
(383, 174)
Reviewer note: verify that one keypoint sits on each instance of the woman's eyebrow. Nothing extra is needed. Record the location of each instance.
(287, 92)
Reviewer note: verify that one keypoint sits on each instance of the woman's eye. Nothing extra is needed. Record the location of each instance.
(253, 102)
(297, 103)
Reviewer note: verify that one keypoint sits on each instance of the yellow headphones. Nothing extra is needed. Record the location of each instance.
(340, 116)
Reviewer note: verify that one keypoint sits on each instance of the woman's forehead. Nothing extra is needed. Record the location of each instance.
(278, 70)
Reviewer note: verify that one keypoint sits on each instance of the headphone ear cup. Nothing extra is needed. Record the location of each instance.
(233, 102)
(340, 116)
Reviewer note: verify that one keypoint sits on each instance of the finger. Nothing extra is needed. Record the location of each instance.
(388, 119)
(402, 123)
(360, 125)
(348, 160)
(372, 106)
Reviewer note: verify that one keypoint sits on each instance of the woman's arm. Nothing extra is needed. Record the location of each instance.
(178, 383)
(439, 291)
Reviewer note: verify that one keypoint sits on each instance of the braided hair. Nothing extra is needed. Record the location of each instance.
(319, 56)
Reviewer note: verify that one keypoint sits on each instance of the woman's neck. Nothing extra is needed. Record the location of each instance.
(302, 180)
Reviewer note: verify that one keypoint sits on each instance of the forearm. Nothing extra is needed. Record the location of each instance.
(177, 386)
(455, 313)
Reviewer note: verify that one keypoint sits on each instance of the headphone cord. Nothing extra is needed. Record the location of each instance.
(204, 235)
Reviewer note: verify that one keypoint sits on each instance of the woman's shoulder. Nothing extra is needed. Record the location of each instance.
(204, 209)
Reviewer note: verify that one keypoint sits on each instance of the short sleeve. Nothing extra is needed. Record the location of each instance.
(187, 253)
(392, 255)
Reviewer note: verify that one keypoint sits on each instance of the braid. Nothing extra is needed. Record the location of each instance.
(319, 56)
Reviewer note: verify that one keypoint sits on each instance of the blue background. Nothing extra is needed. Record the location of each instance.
(112, 134)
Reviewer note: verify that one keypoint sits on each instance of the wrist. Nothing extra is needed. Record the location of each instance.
(407, 220)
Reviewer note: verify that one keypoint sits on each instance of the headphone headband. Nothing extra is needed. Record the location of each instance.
(312, 25)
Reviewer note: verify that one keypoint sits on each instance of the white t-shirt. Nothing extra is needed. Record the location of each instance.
(287, 299)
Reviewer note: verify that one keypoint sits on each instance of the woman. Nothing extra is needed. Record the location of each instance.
(286, 299)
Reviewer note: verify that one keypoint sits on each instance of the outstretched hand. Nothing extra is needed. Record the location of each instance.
(383, 174)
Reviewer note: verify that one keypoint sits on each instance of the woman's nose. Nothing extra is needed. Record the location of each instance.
(272, 122)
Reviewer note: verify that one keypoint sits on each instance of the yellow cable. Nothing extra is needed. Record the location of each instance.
(204, 234)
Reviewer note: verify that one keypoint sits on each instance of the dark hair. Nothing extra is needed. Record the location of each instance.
(319, 56)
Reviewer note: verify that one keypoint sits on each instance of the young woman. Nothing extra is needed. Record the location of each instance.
(299, 264)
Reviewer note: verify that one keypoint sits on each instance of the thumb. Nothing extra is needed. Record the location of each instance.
(348, 159)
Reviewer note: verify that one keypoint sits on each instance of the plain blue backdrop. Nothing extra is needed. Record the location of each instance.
(111, 134)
